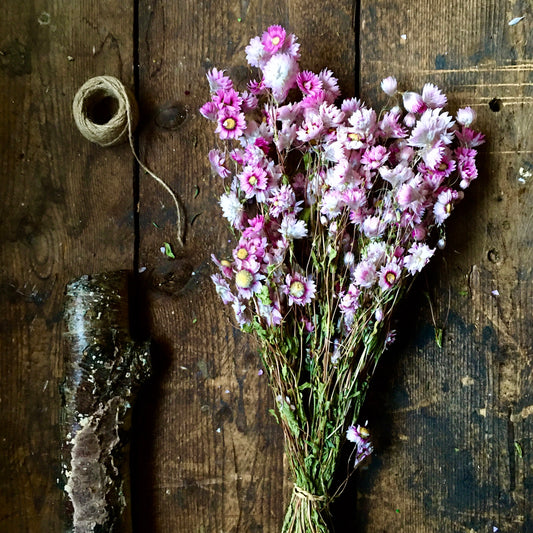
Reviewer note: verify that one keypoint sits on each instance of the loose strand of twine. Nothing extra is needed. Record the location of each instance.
(118, 128)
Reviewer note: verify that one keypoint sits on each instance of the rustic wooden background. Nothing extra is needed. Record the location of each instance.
(453, 426)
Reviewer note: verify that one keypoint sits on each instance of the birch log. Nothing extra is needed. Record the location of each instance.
(104, 368)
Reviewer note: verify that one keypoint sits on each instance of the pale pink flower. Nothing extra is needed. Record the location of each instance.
(292, 228)
(282, 200)
(217, 80)
(232, 209)
(255, 53)
(389, 86)
(418, 257)
(433, 97)
(223, 289)
(279, 74)
(299, 289)
(444, 205)
(375, 156)
(413, 103)
(217, 160)
(465, 116)
(330, 84)
(365, 274)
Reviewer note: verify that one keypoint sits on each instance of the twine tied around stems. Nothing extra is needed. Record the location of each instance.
(106, 113)
(304, 495)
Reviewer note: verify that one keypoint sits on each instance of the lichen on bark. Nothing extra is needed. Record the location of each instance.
(104, 368)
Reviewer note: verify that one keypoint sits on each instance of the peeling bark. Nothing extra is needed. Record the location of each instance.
(104, 368)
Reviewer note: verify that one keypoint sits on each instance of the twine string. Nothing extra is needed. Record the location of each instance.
(305, 495)
(117, 128)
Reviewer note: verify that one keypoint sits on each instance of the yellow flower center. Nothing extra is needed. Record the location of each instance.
(363, 432)
(390, 277)
(449, 208)
(276, 40)
(297, 289)
(354, 136)
(443, 167)
(244, 279)
(229, 123)
(242, 253)
(225, 263)
(252, 180)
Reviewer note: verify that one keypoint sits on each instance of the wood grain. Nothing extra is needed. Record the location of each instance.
(454, 425)
(67, 210)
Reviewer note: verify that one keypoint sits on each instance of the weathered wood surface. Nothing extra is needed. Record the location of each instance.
(453, 426)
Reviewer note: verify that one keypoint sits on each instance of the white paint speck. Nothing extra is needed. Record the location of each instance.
(142, 269)
(218, 430)
(516, 20)
(403, 36)
(162, 249)
(524, 175)
(495, 292)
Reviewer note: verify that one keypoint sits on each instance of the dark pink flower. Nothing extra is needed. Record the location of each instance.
(273, 39)
(389, 275)
(308, 82)
(230, 123)
(209, 110)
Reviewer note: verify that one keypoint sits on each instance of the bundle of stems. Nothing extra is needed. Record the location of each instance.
(335, 209)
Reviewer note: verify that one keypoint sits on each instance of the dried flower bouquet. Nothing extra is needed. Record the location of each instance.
(335, 208)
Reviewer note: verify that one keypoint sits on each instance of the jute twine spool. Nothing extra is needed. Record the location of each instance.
(106, 113)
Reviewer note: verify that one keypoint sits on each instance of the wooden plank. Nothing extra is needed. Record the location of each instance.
(216, 451)
(67, 209)
(453, 426)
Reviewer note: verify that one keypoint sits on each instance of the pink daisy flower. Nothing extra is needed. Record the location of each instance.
(389, 275)
(254, 182)
(230, 123)
(248, 283)
(282, 200)
(273, 39)
(299, 289)
(444, 205)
